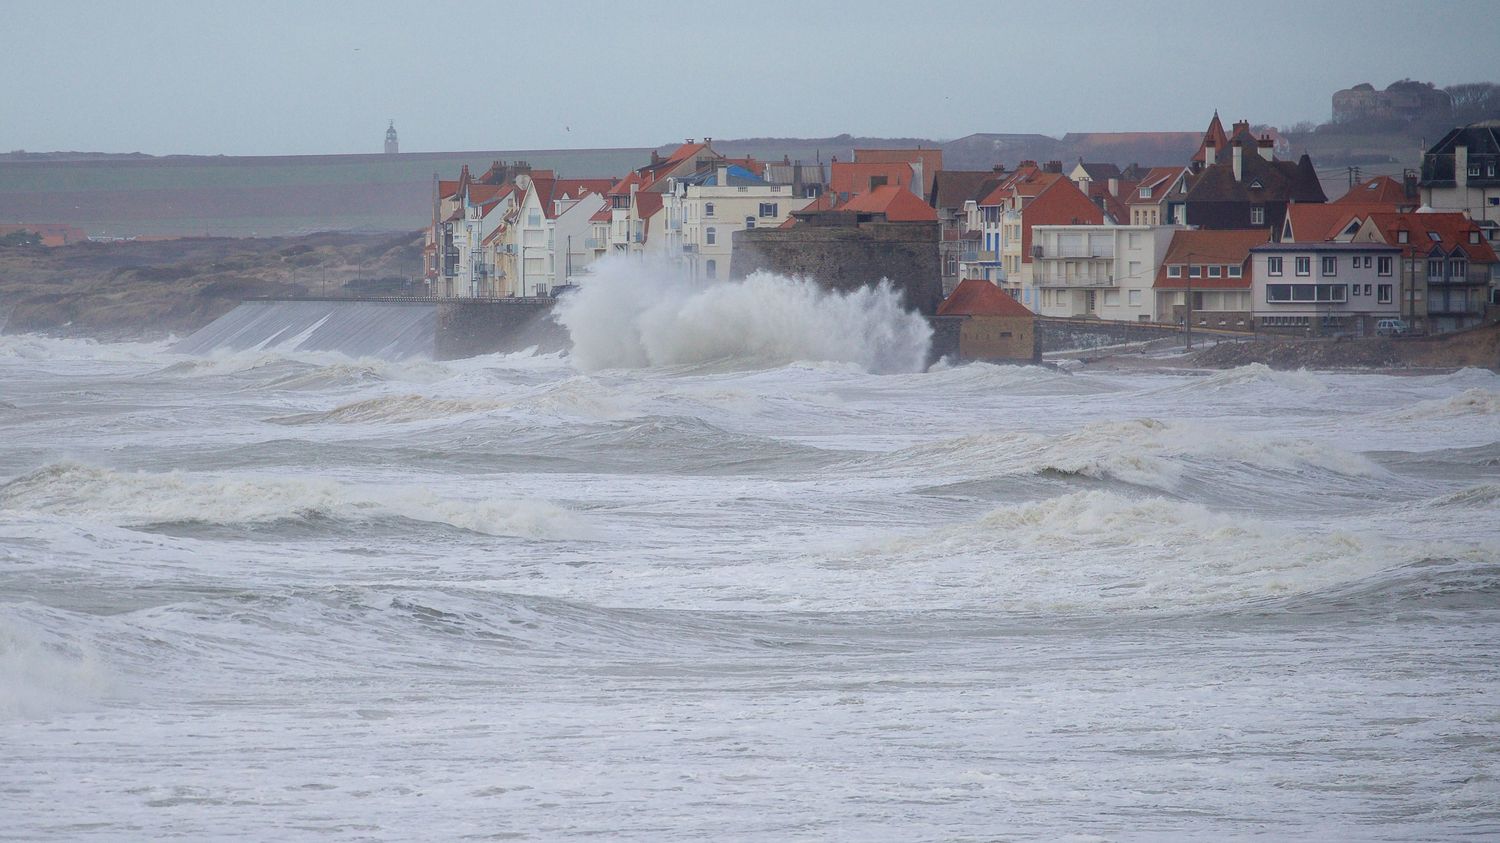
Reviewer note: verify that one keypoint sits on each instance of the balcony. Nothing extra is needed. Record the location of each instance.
(1106, 251)
(595, 243)
(1077, 283)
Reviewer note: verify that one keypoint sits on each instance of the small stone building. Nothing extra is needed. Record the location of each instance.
(990, 325)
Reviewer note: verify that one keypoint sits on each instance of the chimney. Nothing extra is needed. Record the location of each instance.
(1210, 154)
(1240, 126)
(1238, 151)
(1409, 182)
(1461, 166)
(1053, 167)
(1267, 147)
(1114, 187)
(723, 176)
(707, 139)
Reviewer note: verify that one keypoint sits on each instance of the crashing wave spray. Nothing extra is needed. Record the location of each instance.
(633, 314)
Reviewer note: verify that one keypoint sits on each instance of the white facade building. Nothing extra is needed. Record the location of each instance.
(1100, 271)
(702, 213)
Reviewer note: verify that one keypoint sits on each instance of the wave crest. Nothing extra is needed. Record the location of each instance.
(138, 499)
(638, 315)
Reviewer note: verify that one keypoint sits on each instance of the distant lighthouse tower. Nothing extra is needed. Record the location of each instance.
(391, 147)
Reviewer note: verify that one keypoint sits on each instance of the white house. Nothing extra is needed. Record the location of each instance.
(703, 211)
(1101, 271)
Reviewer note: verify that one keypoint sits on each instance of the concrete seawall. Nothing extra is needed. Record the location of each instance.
(441, 329)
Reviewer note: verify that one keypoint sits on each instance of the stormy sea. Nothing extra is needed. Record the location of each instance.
(736, 568)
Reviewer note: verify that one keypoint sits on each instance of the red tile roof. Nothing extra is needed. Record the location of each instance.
(1158, 180)
(1059, 203)
(1210, 248)
(1215, 137)
(852, 178)
(897, 203)
(1381, 190)
(1452, 228)
(974, 297)
(1312, 222)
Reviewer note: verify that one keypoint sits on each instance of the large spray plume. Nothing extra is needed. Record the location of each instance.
(636, 314)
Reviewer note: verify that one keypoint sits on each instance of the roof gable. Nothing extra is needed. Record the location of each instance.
(974, 297)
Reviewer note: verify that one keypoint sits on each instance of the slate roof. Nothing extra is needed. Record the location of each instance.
(1280, 181)
(952, 188)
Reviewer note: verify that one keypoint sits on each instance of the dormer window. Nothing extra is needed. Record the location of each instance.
(1403, 236)
(1256, 185)
(1145, 193)
(1257, 215)
(1236, 271)
(1434, 237)
(1473, 169)
(1174, 271)
(1474, 237)
(1215, 271)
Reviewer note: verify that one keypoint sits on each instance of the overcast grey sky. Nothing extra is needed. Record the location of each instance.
(277, 77)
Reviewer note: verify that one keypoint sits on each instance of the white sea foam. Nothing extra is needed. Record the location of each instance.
(1473, 401)
(634, 315)
(1099, 550)
(42, 675)
(140, 499)
(1144, 452)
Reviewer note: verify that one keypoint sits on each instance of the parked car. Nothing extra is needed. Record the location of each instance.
(1392, 328)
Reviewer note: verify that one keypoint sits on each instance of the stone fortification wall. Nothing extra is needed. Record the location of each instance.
(846, 254)
(471, 327)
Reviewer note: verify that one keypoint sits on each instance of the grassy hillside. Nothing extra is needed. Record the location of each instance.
(154, 288)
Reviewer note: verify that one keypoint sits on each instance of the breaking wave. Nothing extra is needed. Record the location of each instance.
(635, 315)
(139, 499)
(45, 674)
(1142, 452)
(1099, 550)
(1473, 401)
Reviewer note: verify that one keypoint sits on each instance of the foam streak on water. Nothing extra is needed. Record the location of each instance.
(729, 573)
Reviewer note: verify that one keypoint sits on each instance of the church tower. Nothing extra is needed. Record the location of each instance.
(391, 147)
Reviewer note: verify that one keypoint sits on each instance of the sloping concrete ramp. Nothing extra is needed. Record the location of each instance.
(384, 330)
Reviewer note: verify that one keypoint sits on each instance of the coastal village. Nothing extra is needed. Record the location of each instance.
(1234, 239)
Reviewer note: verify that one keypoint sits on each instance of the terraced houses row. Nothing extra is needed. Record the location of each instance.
(1232, 238)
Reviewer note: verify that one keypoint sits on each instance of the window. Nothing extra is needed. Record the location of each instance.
(1458, 268)
(1257, 215)
(1435, 269)
(710, 235)
(1195, 271)
(1367, 289)
(1473, 169)
(711, 269)
(1256, 185)
(749, 222)
(708, 209)
(1215, 271)
(1434, 237)
(1330, 265)
(1403, 236)
(1383, 265)
(1273, 266)
(1354, 290)
(768, 209)
(1236, 271)
(1384, 291)
(1281, 293)
(1145, 193)
(1174, 271)
(1474, 237)
(1304, 265)
(1135, 298)
(1489, 170)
